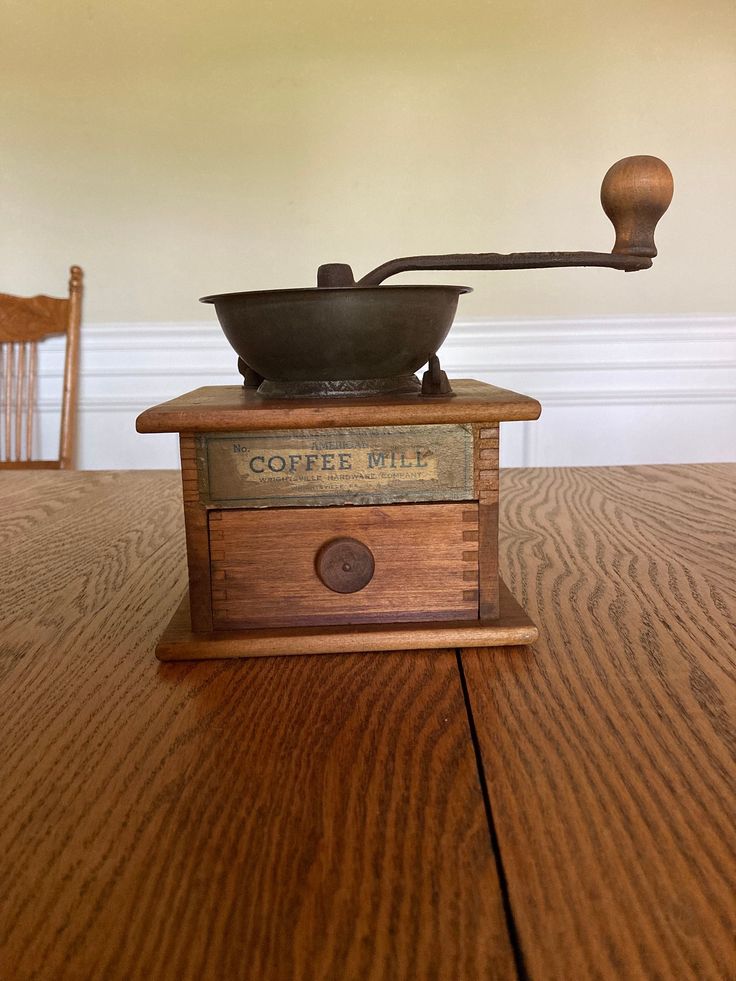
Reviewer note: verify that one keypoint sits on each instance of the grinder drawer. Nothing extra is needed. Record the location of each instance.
(298, 566)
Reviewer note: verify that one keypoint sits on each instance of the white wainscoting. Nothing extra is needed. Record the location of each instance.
(613, 390)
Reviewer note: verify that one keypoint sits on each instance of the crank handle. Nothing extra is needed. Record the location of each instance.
(635, 194)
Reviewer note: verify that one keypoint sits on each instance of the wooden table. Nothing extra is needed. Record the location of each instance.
(566, 812)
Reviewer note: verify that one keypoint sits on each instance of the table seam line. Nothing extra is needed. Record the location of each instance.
(513, 933)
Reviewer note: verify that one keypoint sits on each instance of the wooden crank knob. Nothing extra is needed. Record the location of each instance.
(635, 193)
(345, 565)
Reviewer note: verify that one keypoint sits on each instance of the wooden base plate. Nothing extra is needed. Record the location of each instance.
(179, 643)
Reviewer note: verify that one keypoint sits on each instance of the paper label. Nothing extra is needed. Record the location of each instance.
(336, 466)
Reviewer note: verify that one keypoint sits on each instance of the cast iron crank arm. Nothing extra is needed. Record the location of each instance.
(498, 260)
(635, 193)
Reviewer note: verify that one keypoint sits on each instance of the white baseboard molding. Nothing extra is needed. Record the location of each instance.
(618, 390)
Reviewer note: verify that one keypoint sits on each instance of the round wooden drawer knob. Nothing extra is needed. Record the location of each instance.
(345, 565)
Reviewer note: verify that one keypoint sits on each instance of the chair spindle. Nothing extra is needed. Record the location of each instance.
(32, 355)
(9, 378)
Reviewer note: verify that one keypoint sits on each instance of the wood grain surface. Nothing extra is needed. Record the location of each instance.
(264, 574)
(485, 481)
(271, 819)
(196, 530)
(323, 817)
(609, 749)
(179, 643)
(232, 408)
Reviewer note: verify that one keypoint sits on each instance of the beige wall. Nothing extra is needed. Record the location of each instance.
(178, 148)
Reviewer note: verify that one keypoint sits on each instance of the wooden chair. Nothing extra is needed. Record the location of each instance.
(24, 321)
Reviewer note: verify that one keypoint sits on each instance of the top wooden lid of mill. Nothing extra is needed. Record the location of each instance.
(232, 408)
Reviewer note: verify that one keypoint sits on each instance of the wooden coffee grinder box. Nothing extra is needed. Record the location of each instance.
(340, 524)
(334, 504)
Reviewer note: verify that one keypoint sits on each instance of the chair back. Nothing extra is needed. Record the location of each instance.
(24, 322)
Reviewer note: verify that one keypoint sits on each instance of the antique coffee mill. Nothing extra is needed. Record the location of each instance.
(334, 503)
